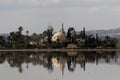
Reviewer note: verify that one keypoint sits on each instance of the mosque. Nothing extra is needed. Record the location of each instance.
(59, 36)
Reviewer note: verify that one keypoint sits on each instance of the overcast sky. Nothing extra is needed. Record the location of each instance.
(36, 15)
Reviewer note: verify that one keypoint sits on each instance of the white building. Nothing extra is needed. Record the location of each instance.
(59, 36)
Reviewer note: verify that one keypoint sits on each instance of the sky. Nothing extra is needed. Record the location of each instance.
(36, 15)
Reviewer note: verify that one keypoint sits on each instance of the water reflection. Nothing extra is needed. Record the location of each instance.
(49, 60)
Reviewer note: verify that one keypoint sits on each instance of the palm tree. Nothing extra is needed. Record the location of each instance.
(27, 32)
(20, 29)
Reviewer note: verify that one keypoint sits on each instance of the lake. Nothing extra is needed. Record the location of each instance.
(35, 65)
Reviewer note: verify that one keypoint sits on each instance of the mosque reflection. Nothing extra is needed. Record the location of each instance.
(49, 60)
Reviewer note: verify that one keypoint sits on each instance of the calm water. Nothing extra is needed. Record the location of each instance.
(59, 65)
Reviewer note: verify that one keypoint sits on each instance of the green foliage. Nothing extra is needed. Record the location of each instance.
(17, 40)
(118, 44)
(2, 42)
(109, 42)
(71, 35)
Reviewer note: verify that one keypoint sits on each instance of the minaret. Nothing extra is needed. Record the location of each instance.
(62, 29)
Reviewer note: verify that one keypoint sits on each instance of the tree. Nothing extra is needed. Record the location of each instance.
(90, 41)
(50, 29)
(83, 34)
(16, 39)
(98, 41)
(2, 41)
(109, 42)
(49, 33)
(71, 34)
(27, 32)
(20, 29)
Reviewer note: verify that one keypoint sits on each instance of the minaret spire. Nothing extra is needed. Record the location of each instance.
(62, 29)
(62, 26)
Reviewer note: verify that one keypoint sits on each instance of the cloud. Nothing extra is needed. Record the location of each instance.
(37, 2)
(38, 13)
(90, 3)
(9, 4)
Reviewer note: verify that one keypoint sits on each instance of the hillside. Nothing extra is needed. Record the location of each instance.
(5, 35)
(115, 33)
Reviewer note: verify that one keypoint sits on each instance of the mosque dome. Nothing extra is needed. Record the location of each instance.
(59, 36)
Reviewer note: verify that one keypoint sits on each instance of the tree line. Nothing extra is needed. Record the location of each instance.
(17, 40)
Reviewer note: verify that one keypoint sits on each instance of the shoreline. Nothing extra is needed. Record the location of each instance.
(61, 50)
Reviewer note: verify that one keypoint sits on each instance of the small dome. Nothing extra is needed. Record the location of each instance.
(59, 37)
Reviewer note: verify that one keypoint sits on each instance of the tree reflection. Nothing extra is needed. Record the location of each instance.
(49, 60)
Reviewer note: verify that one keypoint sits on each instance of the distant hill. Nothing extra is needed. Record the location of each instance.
(5, 35)
(109, 31)
(115, 33)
